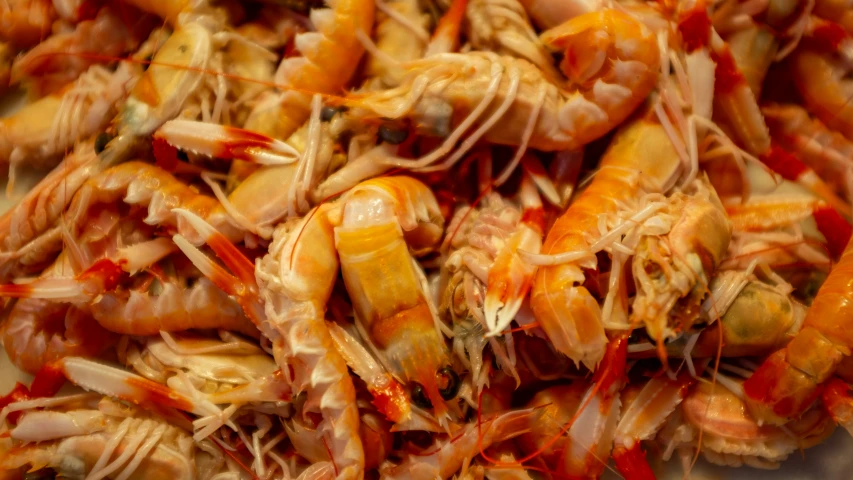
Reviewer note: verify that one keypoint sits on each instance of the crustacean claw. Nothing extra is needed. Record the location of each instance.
(242, 284)
(222, 141)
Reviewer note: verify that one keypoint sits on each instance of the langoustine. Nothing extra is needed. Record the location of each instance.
(674, 255)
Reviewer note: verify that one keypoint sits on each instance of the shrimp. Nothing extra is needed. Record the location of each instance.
(24, 23)
(6, 57)
(162, 89)
(821, 78)
(576, 429)
(401, 36)
(838, 11)
(672, 271)
(44, 130)
(786, 383)
(837, 400)
(175, 308)
(56, 61)
(389, 396)
(285, 180)
(329, 59)
(448, 455)
(142, 184)
(731, 436)
(219, 365)
(641, 158)
(735, 102)
(101, 290)
(445, 94)
(557, 406)
(487, 280)
(38, 331)
(645, 411)
(286, 296)
(784, 225)
(824, 150)
(758, 320)
(37, 212)
(170, 403)
(229, 372)
(502, 26)
(549, 14)
(380, 221)
(100, 442)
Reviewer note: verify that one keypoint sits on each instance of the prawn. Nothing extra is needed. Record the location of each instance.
(286, 297)
(22, 226)
(447, 93)
(787, 382)
(57, 60)
(45, 129)
(448, 455)
(24, 23)
(101, 444)
(330, 56)
(640, 158)
(824, 150)
(488, 281)
(502, 26)
(39, 331)
(731, 436)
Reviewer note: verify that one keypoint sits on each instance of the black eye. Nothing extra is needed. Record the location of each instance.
(451, 383)
(392, 135)
(328, 113)
(419, 396)
(101, 141)
(43, 474)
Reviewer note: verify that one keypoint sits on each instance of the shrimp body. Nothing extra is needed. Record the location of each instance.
(162, 89)
(111, 443)
(7, 55)
(174, 309)
(447, 456)
(641, 157)
(502, 26)
(838, 402)
(487, 280)
(143, 184)
(645, 410)
(43, 130)
(296, 280)
(757, 321)
(821, 78)
(824, 150)
(24, 23)
(330, 56)
(381, 220)
(786, 383)
(39, 331)
(732, 437)
(839, 11)
(672, 271)
(55, 61)
(36, 213)
(449, 91)
(400, 42)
